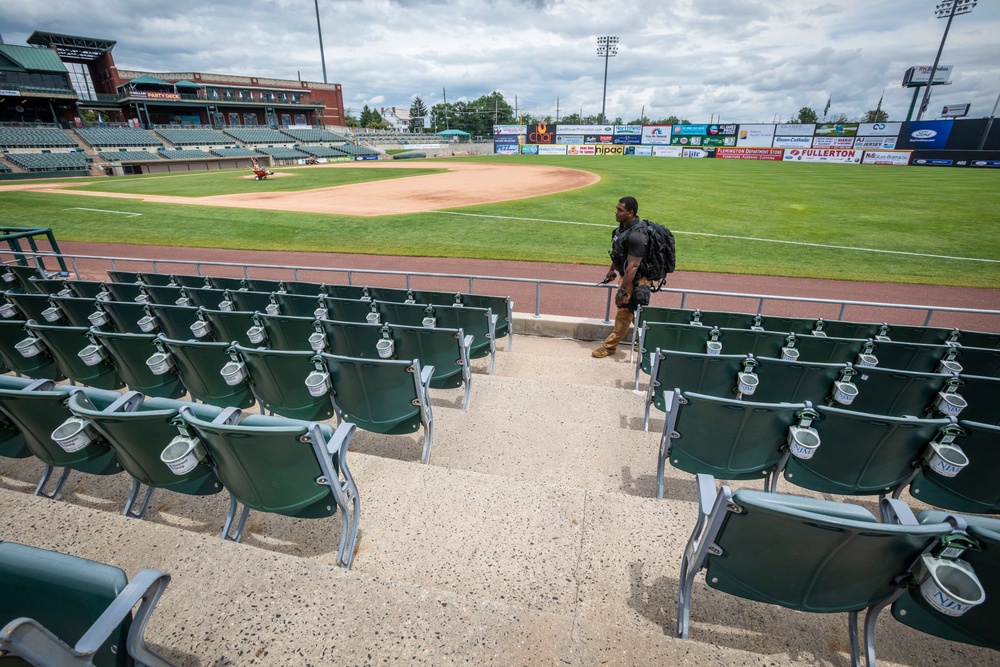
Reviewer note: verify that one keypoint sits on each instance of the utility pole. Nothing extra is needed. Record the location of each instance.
(607, 47)
(445, 94)
(319, 28)
(557, 111)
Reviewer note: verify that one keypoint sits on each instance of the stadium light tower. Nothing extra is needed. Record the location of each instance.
(607, 47)
(945, 9)
(319, 29)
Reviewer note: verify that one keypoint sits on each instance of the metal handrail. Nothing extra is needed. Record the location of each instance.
(761, 299)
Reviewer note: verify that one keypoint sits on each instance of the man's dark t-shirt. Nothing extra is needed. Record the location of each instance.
(637, 242)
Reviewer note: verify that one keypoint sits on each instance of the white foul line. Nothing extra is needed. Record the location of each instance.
(101, 210)
(738, 238)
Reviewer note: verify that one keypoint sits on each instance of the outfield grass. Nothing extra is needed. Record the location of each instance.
(946, 212)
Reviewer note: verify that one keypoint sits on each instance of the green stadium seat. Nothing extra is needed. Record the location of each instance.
(40, 366)
(974, 489)
(200, 365)
(65, 343)
(129, 352)
(278, 379)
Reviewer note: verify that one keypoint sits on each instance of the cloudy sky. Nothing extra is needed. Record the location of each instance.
(738, 60)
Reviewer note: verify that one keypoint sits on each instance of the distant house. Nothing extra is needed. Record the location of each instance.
(397, 119)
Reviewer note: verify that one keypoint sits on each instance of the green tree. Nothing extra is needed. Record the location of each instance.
(671, 120)
(417, 112)
(806, 115)
(871, 117)
(366, 117)
(643, 120)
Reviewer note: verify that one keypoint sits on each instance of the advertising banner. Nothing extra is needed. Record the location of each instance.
(506, 149)
(793, 142)
(773, 154)
(656, 134)
(690, 130)
(151, 95)
(598, 138)
(756, 136)
(645, 151)
(505, 139)
(977, 159)
(833, 142)
(925, 134)
(569, 138)
(693, 152)
(922, 74)
(721, 130)
(551, 150)
(540, 133)
(529, 149)
(879, 129)
(718, 141)
(609, 150)
(884, 143)
(629, 129)
(837, 130)
(796, 129)
(585, 129)
(685, 141)
(580, 150)
(823, 155)
(366, 157)
(509, 129)
(667, 151)
(894, 158)
(627, 138)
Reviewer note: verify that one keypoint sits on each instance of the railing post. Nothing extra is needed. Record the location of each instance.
(538, 299)
(607, 308)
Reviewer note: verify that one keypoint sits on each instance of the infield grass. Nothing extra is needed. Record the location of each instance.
(953, 214)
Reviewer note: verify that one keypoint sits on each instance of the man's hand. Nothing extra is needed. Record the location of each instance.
(611, 275)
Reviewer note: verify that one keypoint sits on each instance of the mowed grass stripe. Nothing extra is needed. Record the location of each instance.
(926, 211)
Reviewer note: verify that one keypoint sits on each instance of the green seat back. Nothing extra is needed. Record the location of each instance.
(65, 594)
(124, 276)
(724, 319)
(812, 555)
(48, 286)
(205, 297)
(983, 339)
(64, 343)
(30, 304)
(175, 321)
(124, 291)
(23, 274)
(348, 310)
(913, 334)
(978, 626)
(389, 294)
(975, 488)
(303, 287)
(279, 381)
(730, 439)
(229, 326)
(139, 437)
(263, 285)
(745, 341)
(351, 339)
(796, 325)
(287, 332)
(475, 322)
(979, 361)
(983, 396)
(440, 348)
(41, 366)
(498, 305)
(165, 294)
(225, 282)
(130, 352)
(38, 413)
(86, 289)
(848, 329)
(199, 365)
(264, 464)
(671, 336)
(339, 291)
(663, 314)
(794, 381)
(249, 301)
(406, 314)
(909, 356)
(297, 305)
(711, 374)
(862, 454)
(12, 443)
(188, 280)
(885, 391)
(76, 310)
(432, 298)
(124, 315)
(828, 350)
(155, 279)
(378, 395)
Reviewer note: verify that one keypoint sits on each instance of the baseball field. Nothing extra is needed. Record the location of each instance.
(916, 225)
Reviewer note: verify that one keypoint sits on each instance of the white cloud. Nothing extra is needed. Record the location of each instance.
(744, 60)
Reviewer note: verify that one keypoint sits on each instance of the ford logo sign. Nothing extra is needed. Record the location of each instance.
(924, 134)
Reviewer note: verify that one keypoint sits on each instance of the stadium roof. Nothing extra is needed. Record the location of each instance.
(71, 47)
(28, 59)
(184, 83)
(146, 80)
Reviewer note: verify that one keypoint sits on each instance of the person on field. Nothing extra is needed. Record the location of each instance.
(629, 245)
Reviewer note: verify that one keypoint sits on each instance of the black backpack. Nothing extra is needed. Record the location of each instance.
(661, 256)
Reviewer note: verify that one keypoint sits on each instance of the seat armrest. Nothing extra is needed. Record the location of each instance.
(425, 375)
(467, 341)
(706, 493)
(897, 512)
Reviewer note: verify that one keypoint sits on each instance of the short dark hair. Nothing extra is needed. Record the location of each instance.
(630, 204)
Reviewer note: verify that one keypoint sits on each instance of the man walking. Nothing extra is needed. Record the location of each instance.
(629, 245)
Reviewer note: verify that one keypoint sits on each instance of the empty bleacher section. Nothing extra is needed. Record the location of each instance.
(259, 136)
(50, 161)
(127, 156)
(323, 151)
(282, 153)
(30, 137)
(4, 169)
(107, 137)
(314, 136)
(351, 149)
(195, 137)
(233, 152)
(185, 154)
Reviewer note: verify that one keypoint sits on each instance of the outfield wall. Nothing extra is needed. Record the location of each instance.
(938, 143)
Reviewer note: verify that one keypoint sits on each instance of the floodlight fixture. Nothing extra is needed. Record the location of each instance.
(607, 47)
(948, 9)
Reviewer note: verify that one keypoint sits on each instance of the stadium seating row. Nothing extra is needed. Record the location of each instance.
(31, 137)
(50, 161)
(100, 137)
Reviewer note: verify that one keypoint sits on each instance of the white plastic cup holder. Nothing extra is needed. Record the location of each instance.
(183, 454)
(7, 311)
(867, 360)
(950, 403)
(946, 460)
(272, 309)
(8, 277)
(713, 347)
(818, 332)
(234, 373)
(748, 383)
(317, 341)
(318, 383)
(803, 442)
(882, 338)
(789, 354)
(147, 324)
(98, 318)
(844, 392)
(429, 322)
(373, 318)
(183, 301)
(945, 366)
(73, 434)
(142, 298)
(226, 306)
(951, 587)
(321, 313)
(160, 363)
(103, 296)
(255, 334)
(51, 314)
(65, 292)
(93, 354)
(30, 347)
(200, 329)
(385, 347)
